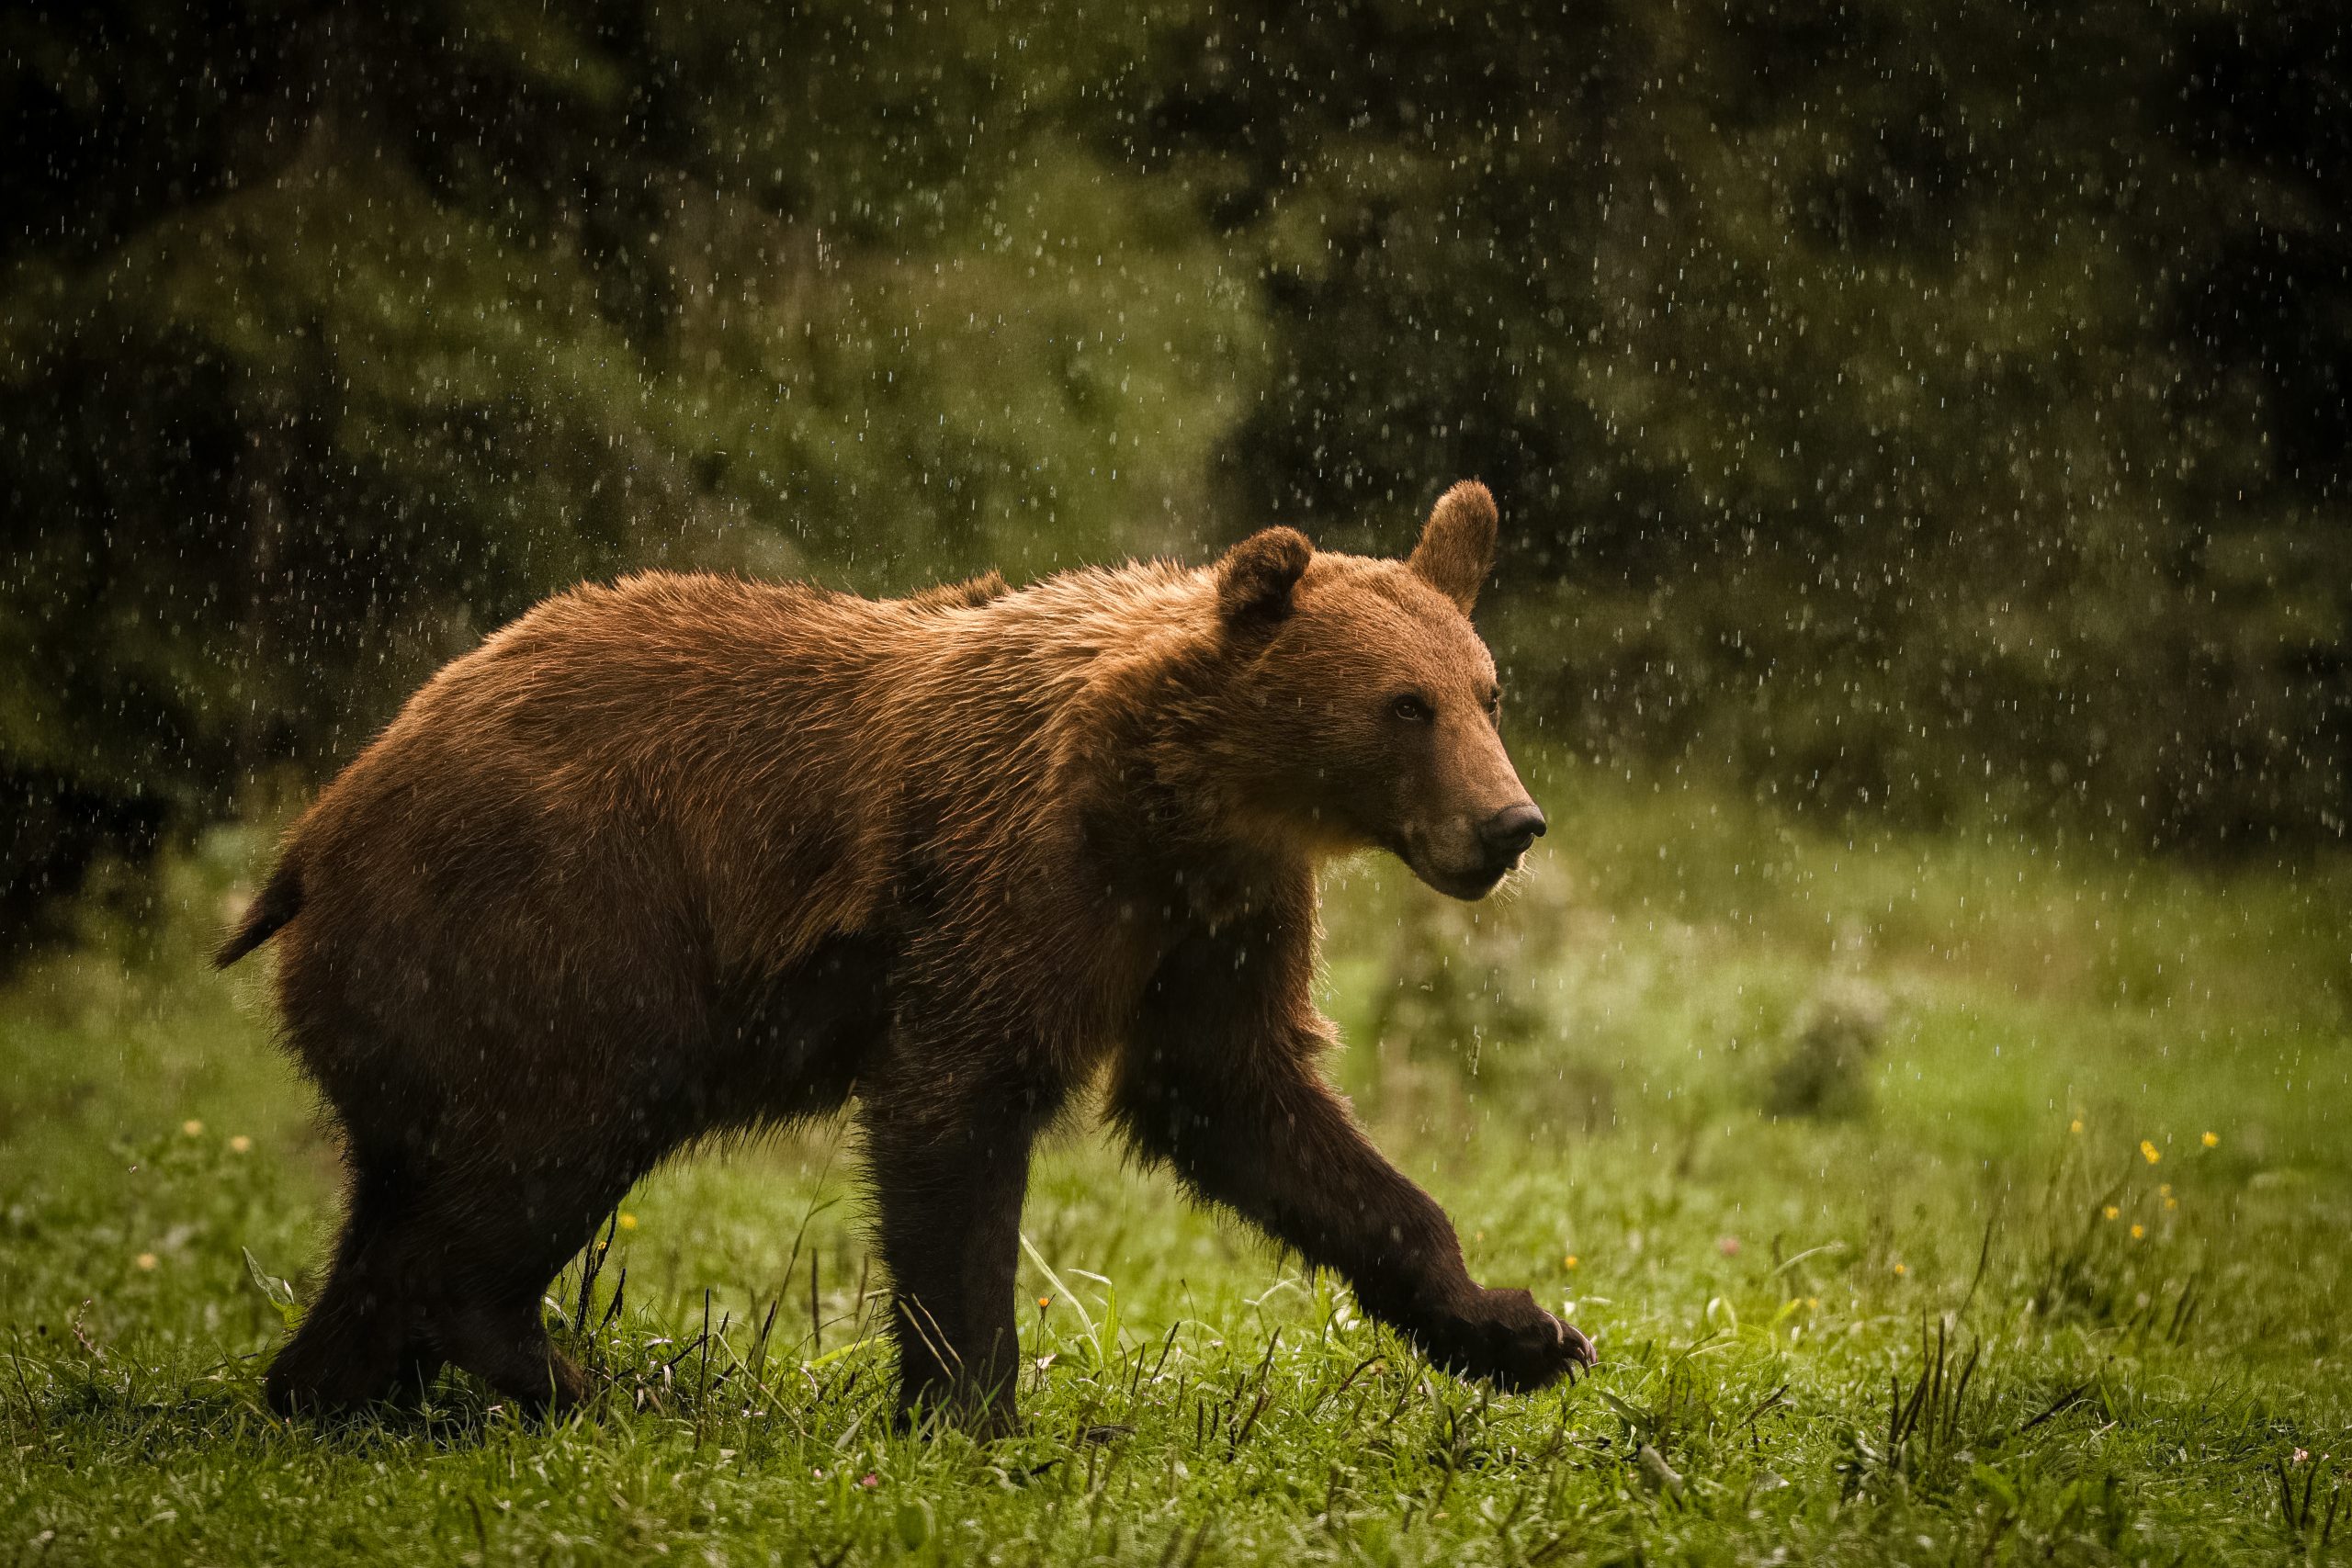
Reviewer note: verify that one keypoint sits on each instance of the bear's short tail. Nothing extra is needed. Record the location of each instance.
(281, 901)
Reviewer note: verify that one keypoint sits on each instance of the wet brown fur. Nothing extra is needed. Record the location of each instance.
(689, 856)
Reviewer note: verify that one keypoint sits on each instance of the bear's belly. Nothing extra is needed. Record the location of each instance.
(792, 1044)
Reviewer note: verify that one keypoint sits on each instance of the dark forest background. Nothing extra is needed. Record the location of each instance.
(1934, 412)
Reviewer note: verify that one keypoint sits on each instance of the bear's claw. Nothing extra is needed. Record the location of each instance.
(1505, 1338)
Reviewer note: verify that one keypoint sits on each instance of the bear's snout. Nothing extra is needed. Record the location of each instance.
(1508, 833)
(1467, 856)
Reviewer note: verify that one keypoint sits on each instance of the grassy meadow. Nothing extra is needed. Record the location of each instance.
(1984, 1198)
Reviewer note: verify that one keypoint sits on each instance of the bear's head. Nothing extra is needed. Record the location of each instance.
(1364, 710)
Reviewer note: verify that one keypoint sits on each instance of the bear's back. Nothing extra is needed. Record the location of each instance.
(760, 765)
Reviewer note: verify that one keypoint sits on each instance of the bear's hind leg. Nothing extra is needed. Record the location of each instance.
(506, 1346)
(352, 1346)
(499, 1228)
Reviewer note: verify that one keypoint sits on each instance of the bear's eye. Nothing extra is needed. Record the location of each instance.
(1412, 709)
(1495, 703)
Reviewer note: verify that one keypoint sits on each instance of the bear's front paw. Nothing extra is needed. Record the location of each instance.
(1504, 1338)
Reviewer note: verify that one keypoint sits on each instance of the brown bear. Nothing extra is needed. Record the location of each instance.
(689, 856)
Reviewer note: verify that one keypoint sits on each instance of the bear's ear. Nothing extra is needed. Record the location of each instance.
(1255, 578)
(1457, 547)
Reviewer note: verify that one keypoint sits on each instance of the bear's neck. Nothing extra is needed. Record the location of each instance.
(1180, 814)
(1128, 674)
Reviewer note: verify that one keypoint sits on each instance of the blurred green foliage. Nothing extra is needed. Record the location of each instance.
(1927, 411)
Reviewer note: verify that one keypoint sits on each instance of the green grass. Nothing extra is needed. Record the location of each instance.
(1904, 1331)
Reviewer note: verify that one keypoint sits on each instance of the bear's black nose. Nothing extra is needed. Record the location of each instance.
(1508, 831)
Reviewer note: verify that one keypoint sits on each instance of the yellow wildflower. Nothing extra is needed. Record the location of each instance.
(2149, 1152)
(240, 1145)
(145, 1260)
(192, 1127)
(628, 1221)
(2212, 1140)
(1570, 1261)
(1903, 1268)
(2076, 1125)
(2110, 1212)
(1044, 1301)
(2172, 1203)
(2138, 1231)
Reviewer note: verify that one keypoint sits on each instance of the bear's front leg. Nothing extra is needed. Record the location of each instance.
(1220, 1083)
(1270, 1141)
(950, 1166)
